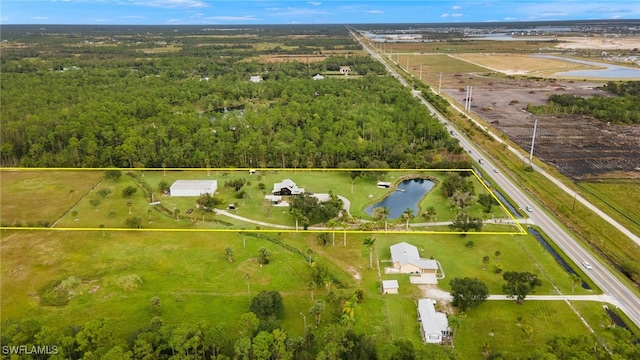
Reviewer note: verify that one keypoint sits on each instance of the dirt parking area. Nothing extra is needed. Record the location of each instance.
(579, 146)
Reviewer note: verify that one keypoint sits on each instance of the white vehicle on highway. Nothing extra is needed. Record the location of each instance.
(586, 265)
(528, 208)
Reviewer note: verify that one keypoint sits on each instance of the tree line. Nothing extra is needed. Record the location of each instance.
(621, 109)
(165, 113)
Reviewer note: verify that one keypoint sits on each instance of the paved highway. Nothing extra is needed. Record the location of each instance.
(601, 276)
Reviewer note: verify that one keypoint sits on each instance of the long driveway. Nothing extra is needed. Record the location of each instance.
(601, 276)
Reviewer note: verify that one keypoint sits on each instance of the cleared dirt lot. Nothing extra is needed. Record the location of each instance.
(579, 146)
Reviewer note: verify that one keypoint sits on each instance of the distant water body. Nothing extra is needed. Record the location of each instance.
(611, 71)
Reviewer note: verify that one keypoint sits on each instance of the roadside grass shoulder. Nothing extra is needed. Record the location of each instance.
(619, 195)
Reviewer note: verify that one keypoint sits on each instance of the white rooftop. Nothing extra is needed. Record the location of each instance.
(390, 284)
(404, 253)
(432, 322)
(194, 184)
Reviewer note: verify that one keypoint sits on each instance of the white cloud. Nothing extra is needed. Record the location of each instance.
(456, 7)
(375, 12)
(171, 3)
(173, 21)
(554, 14)
(314, 3)
(451, 15)
(231, 18)
(4, 18)
(291, 11)
(39, 17)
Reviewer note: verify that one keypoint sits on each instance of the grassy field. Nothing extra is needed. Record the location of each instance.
(194, 279)
(31, 196)
(620, 195)
(496, 324)
(116, 273)
(515, 63)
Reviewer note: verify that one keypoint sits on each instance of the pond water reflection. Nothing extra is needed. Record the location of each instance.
(407, 195)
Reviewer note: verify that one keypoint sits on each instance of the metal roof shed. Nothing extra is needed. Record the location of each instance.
(193, 187)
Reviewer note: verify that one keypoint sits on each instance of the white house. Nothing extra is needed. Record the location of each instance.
(193, 187)
(318, 77)
(434, 326)
(286, 187)
(255, 79)
(390, 286)
(406, 259)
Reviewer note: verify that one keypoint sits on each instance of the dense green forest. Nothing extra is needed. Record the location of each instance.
(67, 102)
(623, 109)
(264, 339)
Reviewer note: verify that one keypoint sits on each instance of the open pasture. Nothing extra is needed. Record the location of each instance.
(467, 46)
(119, 272)
(522, 64)
(32, 197)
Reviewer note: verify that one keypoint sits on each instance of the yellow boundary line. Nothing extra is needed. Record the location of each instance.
(349, 231)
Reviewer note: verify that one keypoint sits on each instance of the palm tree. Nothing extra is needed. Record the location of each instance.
(382, 213)
(316, 310)
(455, 322)
(345, 226)
(229, 252)
(370, 242)
(327, 283)
(408, 215)
(332, 223)
(297, 215)
(310, 253)
(311, 286)
(486, 260)
(349, 312)
(155, 304)
(428, 213)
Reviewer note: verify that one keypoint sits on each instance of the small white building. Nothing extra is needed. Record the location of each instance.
(255, 79)
(390, 286)
(193, 187)
(318, 77)
(434, 326)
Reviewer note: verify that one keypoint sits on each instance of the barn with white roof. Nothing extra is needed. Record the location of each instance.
(193, 187)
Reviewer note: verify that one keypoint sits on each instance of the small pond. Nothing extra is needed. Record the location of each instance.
(407, 195)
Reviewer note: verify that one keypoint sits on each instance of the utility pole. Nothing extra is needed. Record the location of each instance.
(304, 318)
(533, 140)
(440, 83)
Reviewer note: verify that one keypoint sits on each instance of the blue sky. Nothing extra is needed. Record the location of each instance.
(254, 12)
